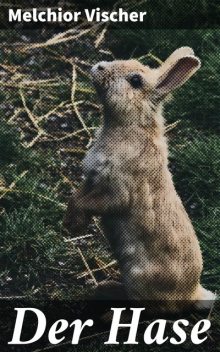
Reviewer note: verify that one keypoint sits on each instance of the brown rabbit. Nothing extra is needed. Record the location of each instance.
(128, 183)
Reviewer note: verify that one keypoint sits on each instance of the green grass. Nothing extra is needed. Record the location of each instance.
(195, 162)
(50, 174)
(29, 245)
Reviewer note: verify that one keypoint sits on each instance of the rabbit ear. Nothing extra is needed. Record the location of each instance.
(176, 70)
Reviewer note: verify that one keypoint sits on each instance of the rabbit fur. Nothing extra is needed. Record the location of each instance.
(128, 183)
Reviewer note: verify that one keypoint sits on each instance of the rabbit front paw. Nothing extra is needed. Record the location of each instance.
(76, 220)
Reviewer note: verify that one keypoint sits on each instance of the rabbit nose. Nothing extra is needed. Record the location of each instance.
(101, 66)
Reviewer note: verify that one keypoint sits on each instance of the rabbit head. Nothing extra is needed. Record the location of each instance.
(131, 92)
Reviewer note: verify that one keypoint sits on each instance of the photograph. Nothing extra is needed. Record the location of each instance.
(109, 176)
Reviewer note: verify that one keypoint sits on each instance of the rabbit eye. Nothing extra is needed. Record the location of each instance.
(136, 81)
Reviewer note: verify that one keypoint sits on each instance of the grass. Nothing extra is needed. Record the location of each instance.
(40, 157)
(194, 160)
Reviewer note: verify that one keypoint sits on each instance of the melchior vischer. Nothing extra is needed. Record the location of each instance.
(93, 15)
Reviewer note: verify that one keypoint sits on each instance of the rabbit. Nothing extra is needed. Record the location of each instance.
(128, 184)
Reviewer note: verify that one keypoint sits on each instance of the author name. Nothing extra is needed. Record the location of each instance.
(58, 16)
